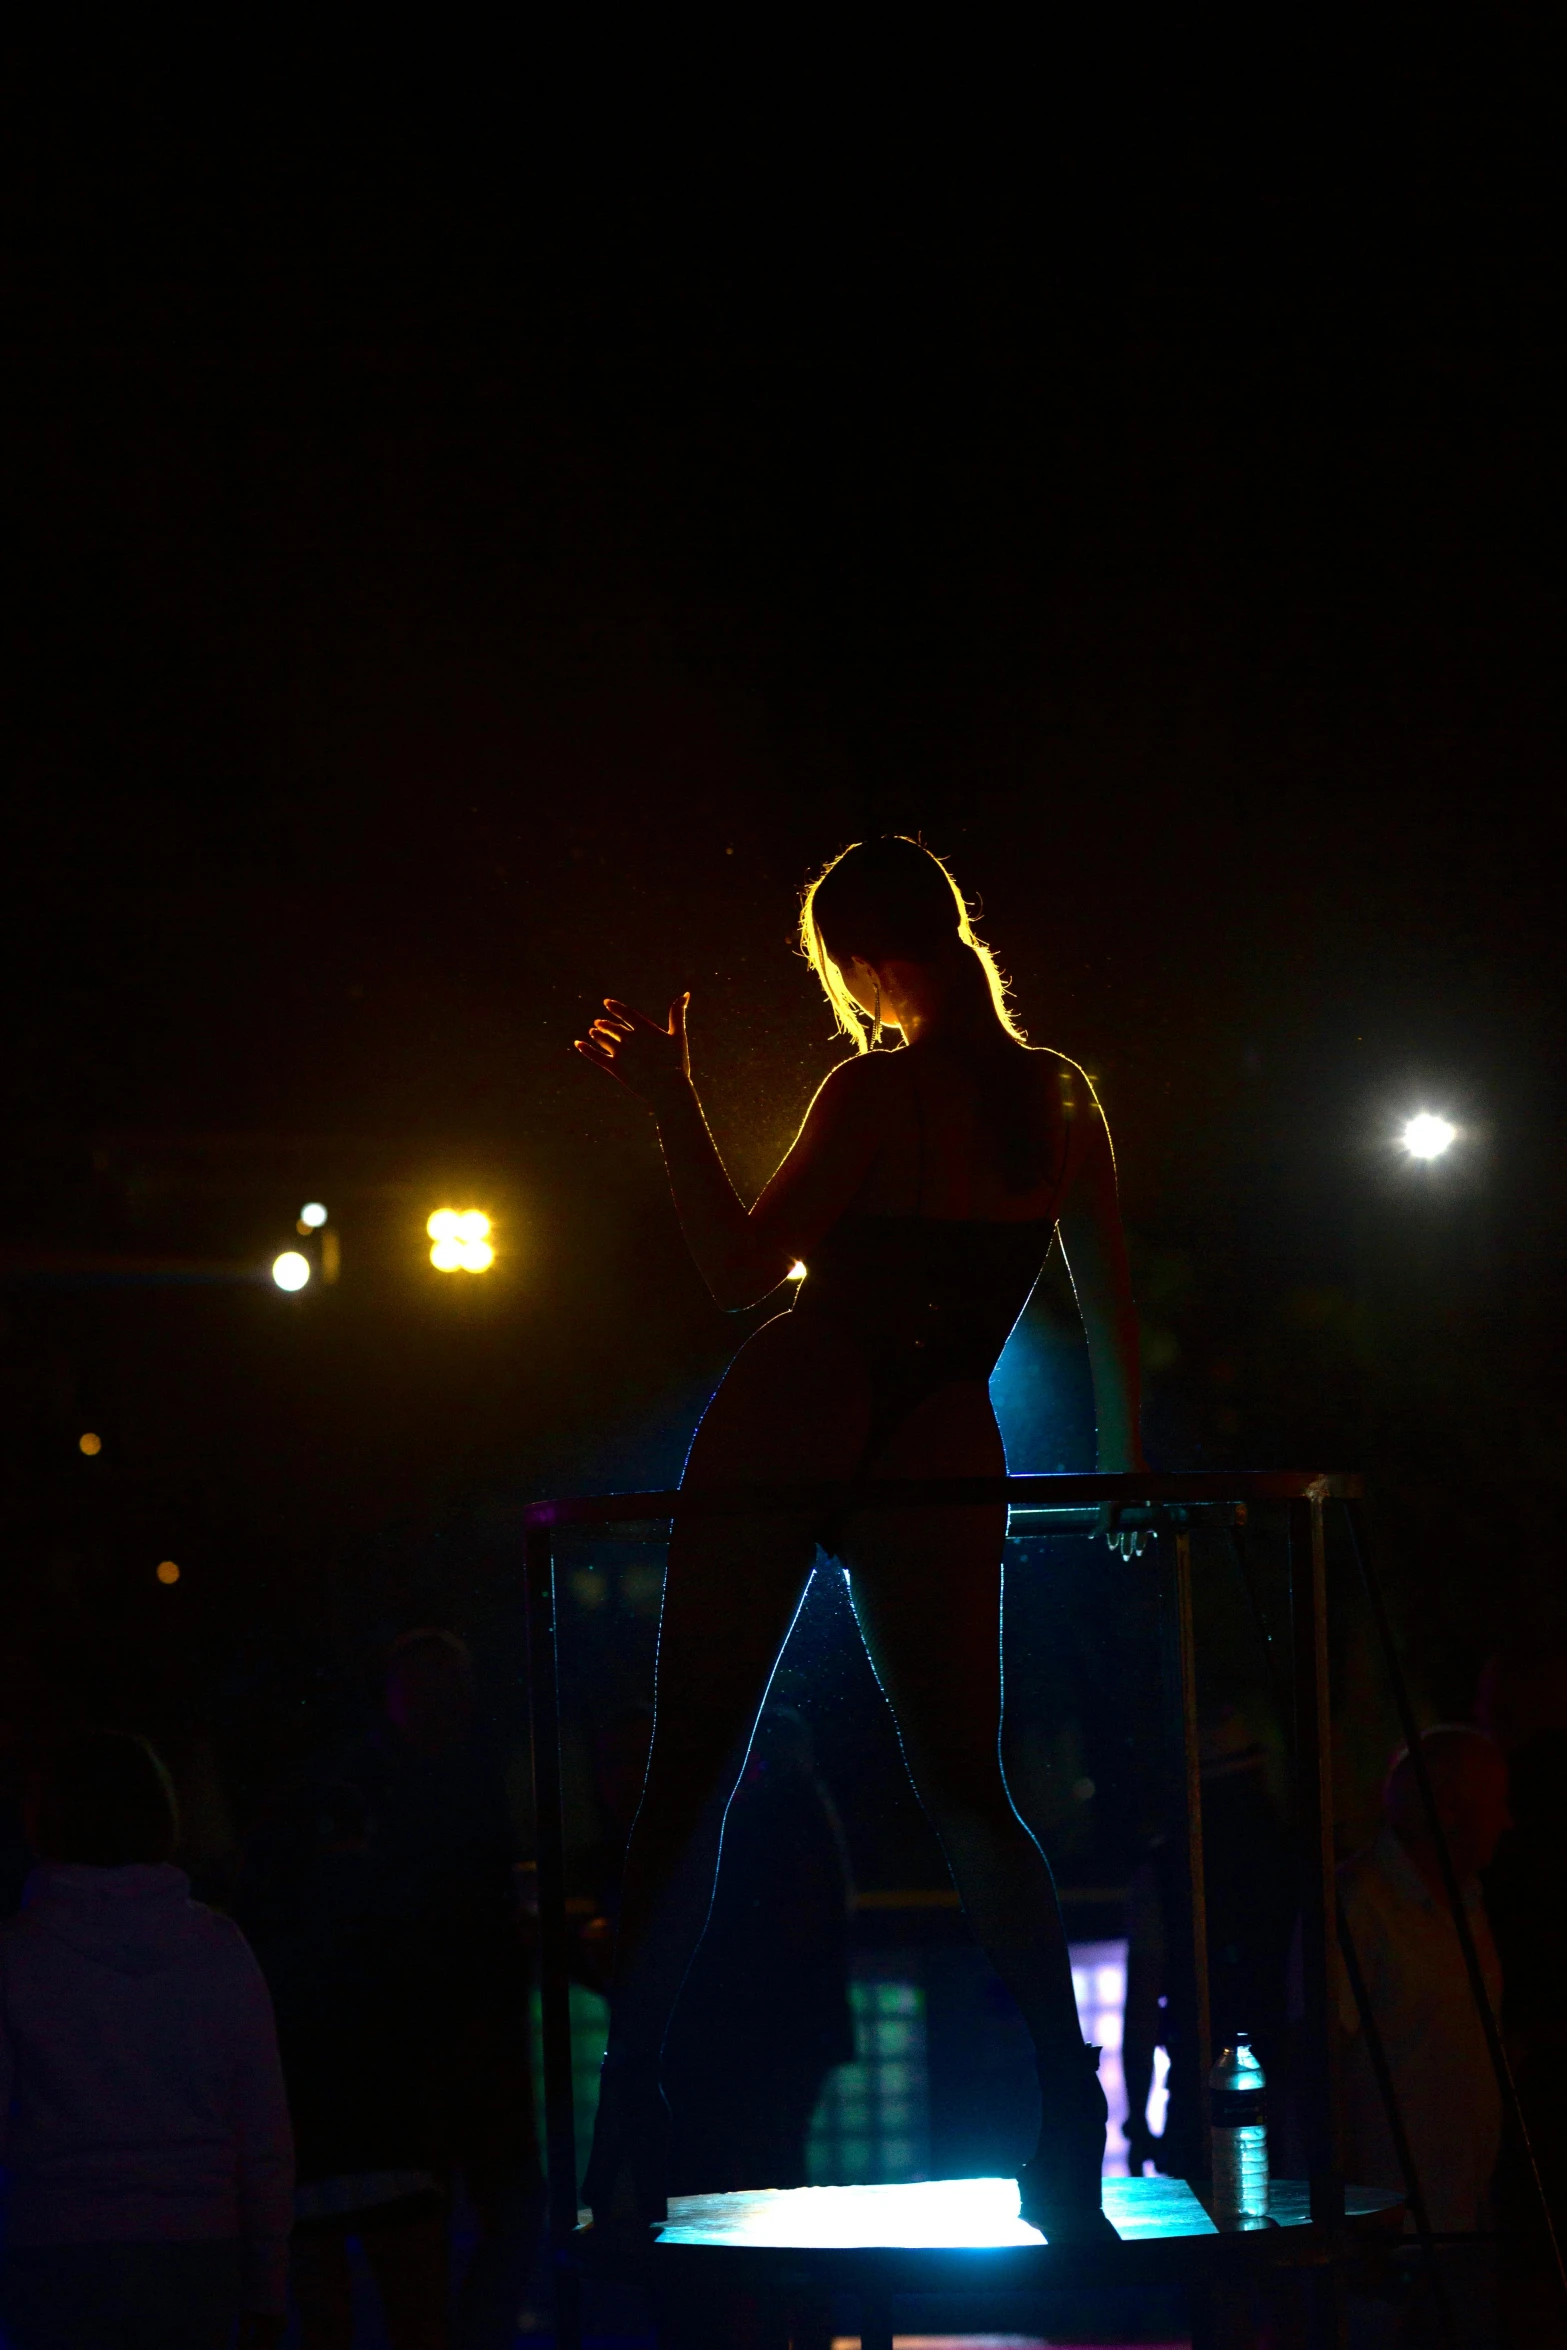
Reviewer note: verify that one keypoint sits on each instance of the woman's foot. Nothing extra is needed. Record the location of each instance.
(1058, 2190)
(625, 2183)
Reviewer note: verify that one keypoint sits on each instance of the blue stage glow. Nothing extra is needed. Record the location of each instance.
(1043, 1397)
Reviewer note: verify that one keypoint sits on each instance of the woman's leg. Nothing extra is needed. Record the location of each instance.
(926, 1588)
(731, 1592)
(794, 1406)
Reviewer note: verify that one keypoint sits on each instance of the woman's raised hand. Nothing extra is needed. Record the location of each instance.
(647, 1059)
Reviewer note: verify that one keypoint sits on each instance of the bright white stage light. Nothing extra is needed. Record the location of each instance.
(312, 1215)
(1427, 1137)
(291, 1270)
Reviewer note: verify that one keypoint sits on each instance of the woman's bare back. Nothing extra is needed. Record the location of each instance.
(938, 1152)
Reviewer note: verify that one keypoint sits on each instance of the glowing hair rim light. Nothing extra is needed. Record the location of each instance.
(849, 1015)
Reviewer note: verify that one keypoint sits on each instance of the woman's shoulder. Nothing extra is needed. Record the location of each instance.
(1052, 1063)
(859, 1082)
(1066, 1080)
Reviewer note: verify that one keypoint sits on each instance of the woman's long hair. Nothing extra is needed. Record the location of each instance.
(893, 899)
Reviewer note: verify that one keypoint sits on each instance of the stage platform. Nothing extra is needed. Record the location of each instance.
(962, 2237)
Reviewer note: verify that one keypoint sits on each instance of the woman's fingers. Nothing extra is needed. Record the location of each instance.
(1124, 1542)
(630, 1017)
(622, 1041)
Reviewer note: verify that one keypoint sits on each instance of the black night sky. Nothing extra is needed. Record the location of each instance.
(481, 526)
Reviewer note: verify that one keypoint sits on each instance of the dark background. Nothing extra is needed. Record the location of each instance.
(482, 525)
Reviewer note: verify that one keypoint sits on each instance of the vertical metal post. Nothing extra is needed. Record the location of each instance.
(560, 2136)
(1319, 2085)
(1185, 1823)
(1191, 1754)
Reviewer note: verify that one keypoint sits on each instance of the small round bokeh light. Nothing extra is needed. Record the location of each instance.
(291, 1270)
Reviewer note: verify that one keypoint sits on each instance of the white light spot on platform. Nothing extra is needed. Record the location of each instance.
(929, 2215)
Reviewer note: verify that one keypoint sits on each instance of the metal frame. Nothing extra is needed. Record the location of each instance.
(1164, 1505)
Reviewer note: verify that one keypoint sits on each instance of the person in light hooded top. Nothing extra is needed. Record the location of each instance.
(142, 2114)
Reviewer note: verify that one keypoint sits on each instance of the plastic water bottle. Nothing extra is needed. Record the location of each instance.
(1240, 2133)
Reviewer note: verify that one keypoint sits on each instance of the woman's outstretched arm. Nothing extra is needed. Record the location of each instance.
(741, 1253)
(1094, 1244)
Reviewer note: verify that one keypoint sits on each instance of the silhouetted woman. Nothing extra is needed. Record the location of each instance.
(921, 1192)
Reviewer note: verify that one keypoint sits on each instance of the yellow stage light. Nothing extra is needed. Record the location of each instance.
(168, 1572)
(797, 1271)
(461, 1238)
(89, 1444)
(291, 1270)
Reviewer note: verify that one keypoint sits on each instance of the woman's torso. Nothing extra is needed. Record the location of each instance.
(933, 1260)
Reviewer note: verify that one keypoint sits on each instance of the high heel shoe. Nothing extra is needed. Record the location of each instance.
(626, 2179)
(1058, 2189)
